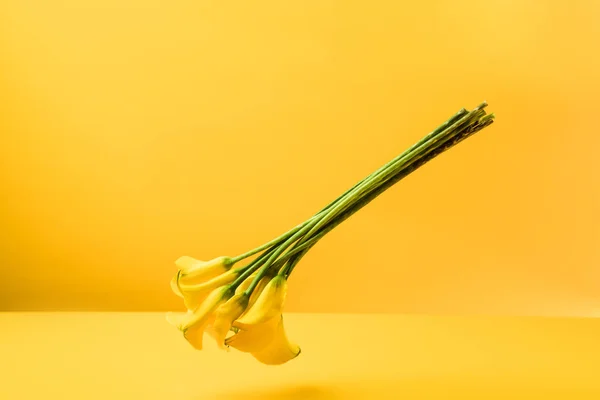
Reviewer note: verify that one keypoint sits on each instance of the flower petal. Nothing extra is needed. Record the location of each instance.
(225, 314)
(201, 315)
(195, 334)
(219, 280)
(175, 286)
(192, 300)
(194, 295)
(279, 350)
(268, 305)
(254, 338)
(264, 281)
(193, 324)
(195, 271)
(246, 283)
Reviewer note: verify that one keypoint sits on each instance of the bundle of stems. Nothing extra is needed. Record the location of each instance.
(248, 301)
(280, 255)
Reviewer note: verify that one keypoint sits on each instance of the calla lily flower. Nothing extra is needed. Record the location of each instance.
(194, 272)
(194, 295)
(225, 314)
(222, 323)
(261, 331)
(192, 269)
(195, 279)
(269, 303)
(264, 281)
(279, 350)
(193, 324)
(237, 306)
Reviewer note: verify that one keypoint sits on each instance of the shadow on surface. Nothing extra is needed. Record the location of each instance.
(461, 388)
(296, 392)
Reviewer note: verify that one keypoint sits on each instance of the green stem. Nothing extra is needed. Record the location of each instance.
(251, 267)
(265, 268)
(456, 117)
(453, 125)
(287, 234)
(271, 243)
(295, 229)
(376, 191)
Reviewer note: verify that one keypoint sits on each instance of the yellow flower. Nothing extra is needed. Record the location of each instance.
(246, 283)
(269, 303)
(264, 281)
(234, 308)
(194, 295)
(279, 350)
(261, 331)
(225, 314)
(196, 279)
(193, 324)
(192, 271)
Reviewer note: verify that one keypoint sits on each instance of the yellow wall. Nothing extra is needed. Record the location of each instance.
(134, 132)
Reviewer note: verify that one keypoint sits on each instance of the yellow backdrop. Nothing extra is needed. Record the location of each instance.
(134, 132)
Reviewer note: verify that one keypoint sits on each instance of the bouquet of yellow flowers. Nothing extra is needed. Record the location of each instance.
(239, 300)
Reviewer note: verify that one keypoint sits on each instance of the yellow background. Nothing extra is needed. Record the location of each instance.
(134, 132)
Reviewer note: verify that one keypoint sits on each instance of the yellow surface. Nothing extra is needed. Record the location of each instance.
(140, 356)
(136, 131)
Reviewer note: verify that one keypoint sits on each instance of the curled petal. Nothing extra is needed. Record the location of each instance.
(195, 271)
(253, 338)
(193, 324)
(267, 342)
(264, 281)
(268, 305)
(194, 295)
(246, 283)
(279, 350)
(225, 314)
(195, 334)
(218, 280)
(192, 300)
(209, 305)
(175, 285)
